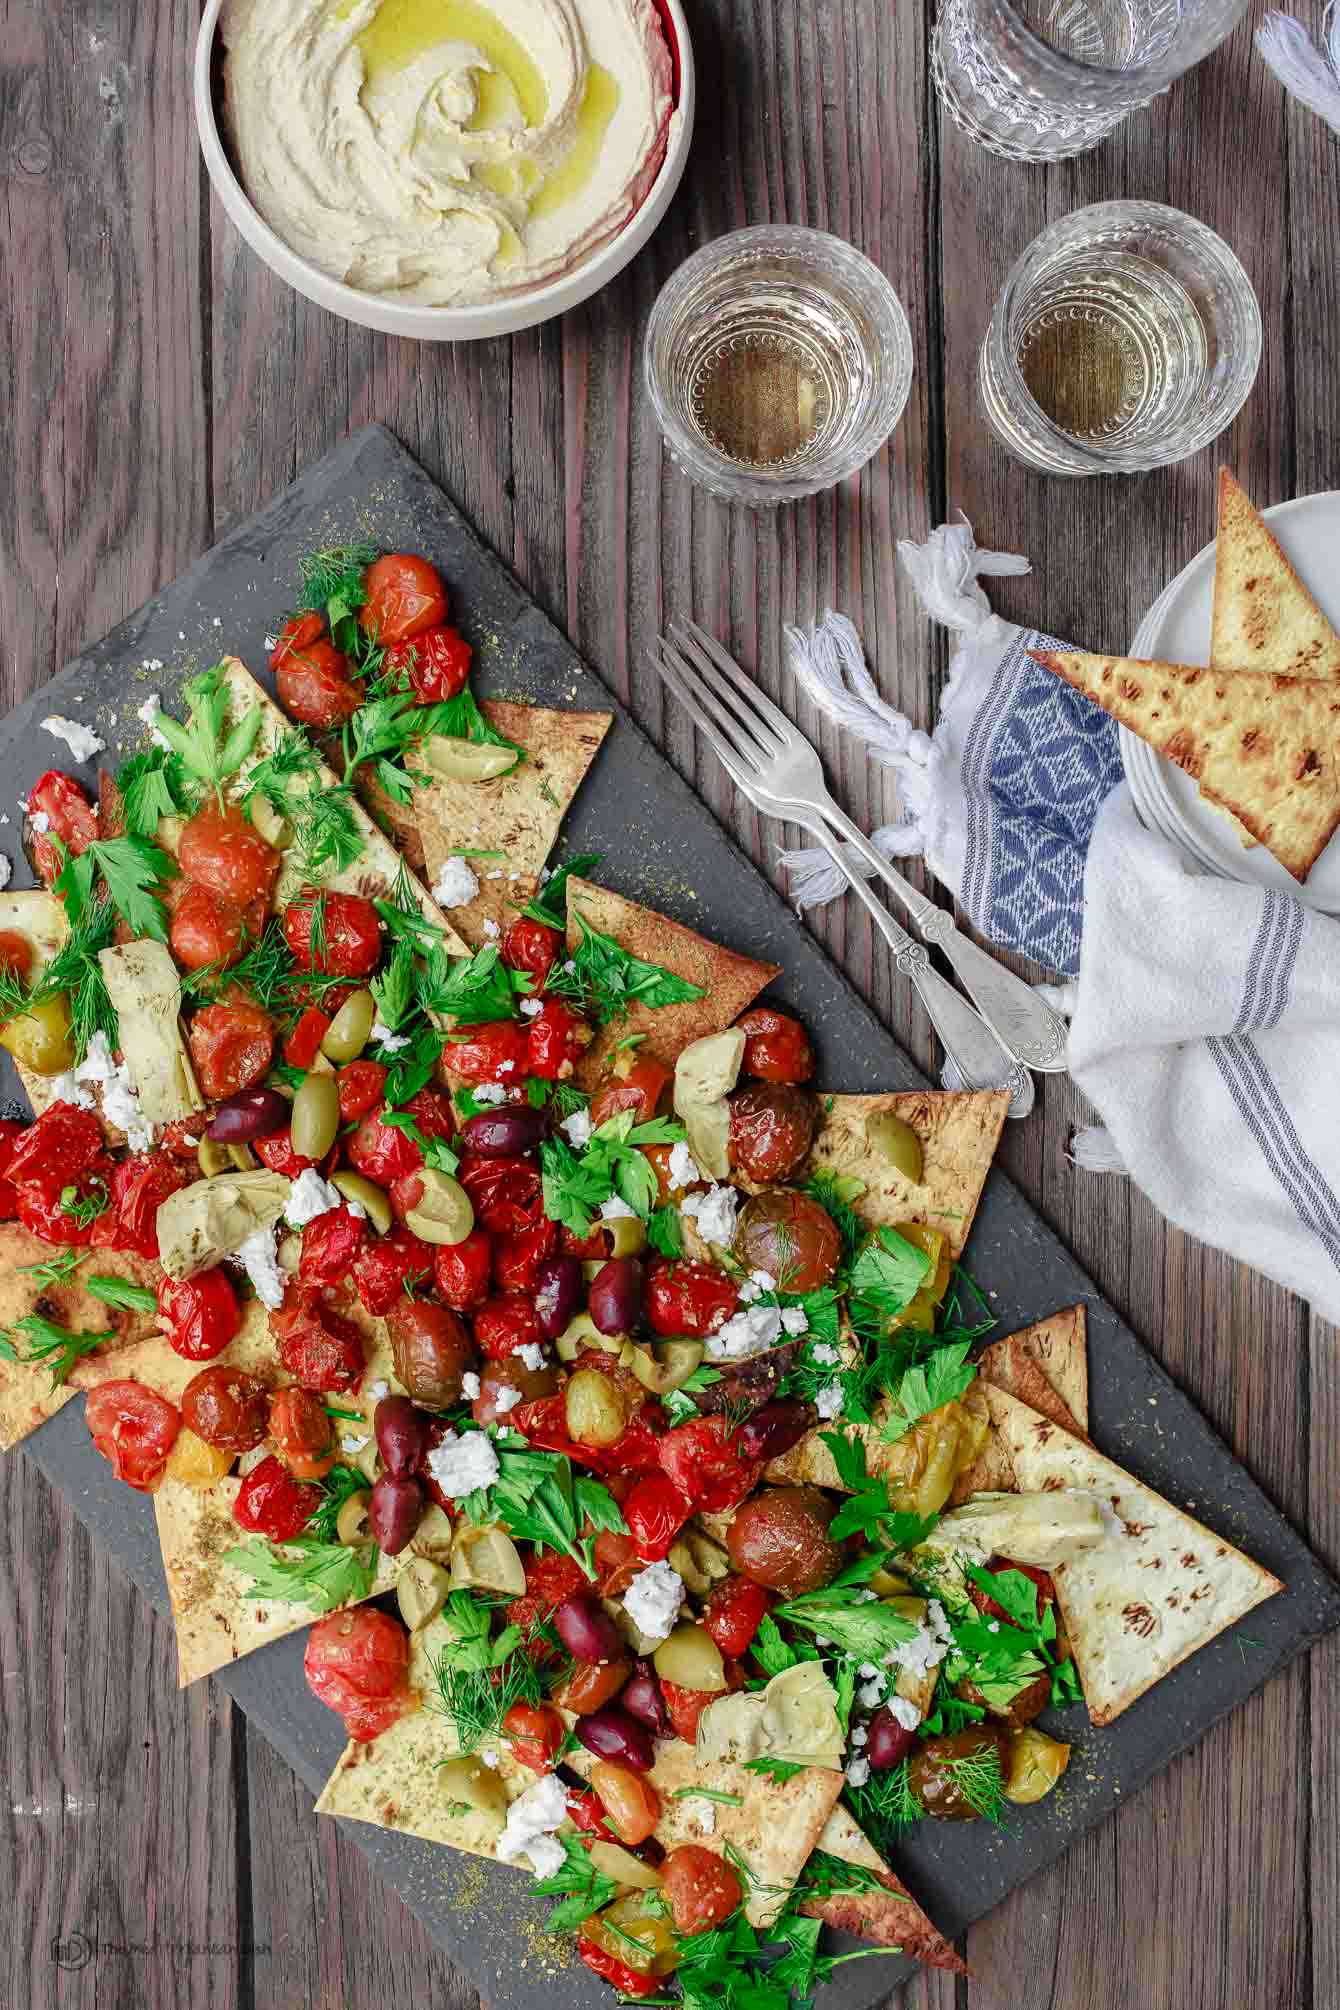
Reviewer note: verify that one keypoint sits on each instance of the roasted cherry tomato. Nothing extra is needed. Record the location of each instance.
(777, 1047)
(298, 632)
(385, 1154)
(437, 662)
(16, 953)
(684, 1707)
(304, 1043)
(689, 1298)
(550, 1578)
(700, 1886)
(625, 1980)
(227, 1408)
(639, 1088)
(231, 1048)
(140, 1185)
(316, 685)
(319, 1348)
(495, 1053)
(201, 1315)
(70, 817)
(277, 1155)
(206, 927)
(591, 1248)
(504, 1324)
(772, 1125)
(530, 947)
(42, 1209)
(352, 943)
(463, 1270)
(517, 1258)
(360, 1086)
(63, 1143)
(182, 1137)
(270, 1502)
(506, 1194)
(736, 1608)
(222, 850)
(702, 1461)
(585, 1813)
(330, 1244)
(134, 1428)
(405, 597)
(357, 1664)
(655, 1512)
(391, 1267)
(302, 1430)
(534, 1731)
(555, 1038)
(10, 1133)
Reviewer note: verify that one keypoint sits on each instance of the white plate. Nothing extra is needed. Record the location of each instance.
(1177, 630)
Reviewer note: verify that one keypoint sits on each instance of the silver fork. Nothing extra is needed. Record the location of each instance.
(979, 1055)
(781, 763)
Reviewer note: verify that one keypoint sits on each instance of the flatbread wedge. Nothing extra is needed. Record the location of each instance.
(1035, 1364)
(1264, 617)
(891, 1917)
(959, 1132)
(27, 1397)
(517, 816)
(729, 981)
(1163, 1587)
(1264, 747)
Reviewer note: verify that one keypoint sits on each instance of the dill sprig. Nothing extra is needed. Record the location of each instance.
(74, 971)
(335, 574)
(339, 1485)
(479, 1678)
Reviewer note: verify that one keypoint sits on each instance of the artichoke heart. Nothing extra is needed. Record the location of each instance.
(794, 1718)
(214, 1217)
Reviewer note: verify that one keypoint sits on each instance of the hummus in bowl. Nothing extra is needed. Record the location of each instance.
(443, 153)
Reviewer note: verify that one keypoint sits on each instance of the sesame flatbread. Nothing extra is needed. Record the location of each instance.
(1264, 616)
(27, 1397)
(1264, 747)
(729, 981)
(517, 815)
(1139, 1604)
(959, 1131)
(891, 1917)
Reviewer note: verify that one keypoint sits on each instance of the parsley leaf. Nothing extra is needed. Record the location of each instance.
(780, 1770)
(340, 1484)
(324, 833)
(116, 1291)
(323, 1575)
(835, 1193)
(611, 1166)
(866, 1511)
(460, 718)
(436, 1151)
(550, 904)
(153, 785)
(479, 1678)
(410, 1068)
(927, 1385)
(537, 1499)
(582, 1888)
(663, 1231)
(888, 1272)
(209, 749)
(132, 870)
(1065, 1685)
(866, 1629)
(394, 989)
(472, 990)
(55, 1269)
(52, 1346)
(605, 980)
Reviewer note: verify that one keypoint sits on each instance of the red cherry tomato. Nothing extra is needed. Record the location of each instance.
(298, 632)
(63, 1143)
(530, 947)
(543, 1423)
(277, 1155)
(10, 1133)
(591, 1248)
(684, 1707)
(389, 1267)
(437, 662)
(495, 1053)
(270, 1502)
(357, 1663)
(304, 1043)
(206, 927)
(330, 1244)
(506, 1194)
(360, 1086)
(625, 1980)
(202, 1314)
(384, 1154)
(736, 1608)
(134, 1428)
(317, 1347)
(70, 817)
(39, 1208)
(550, 1579)
(140, 1185)
(231, 1048)
(302, 1432)
(639, 1090)
(585, 1813)
(462, 1270)
(689, 1298)
(777, 1047)
(315, 685)
(655, 1512)
(555, 1037)
(702, 1460)
(16, 953)
(353, 935)
(701, 1888)
(504, 1324)
(222, 850)
(405, 596)
(638, 1450)
(517, 1258)
(534, 1731)
(182, 1137)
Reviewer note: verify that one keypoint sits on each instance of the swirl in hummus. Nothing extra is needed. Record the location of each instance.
(441, 151)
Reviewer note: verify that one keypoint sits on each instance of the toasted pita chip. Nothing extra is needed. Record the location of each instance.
(1060, 1346)
(27, 1398)
(729, 981)
(517, 816)
(959, 1132)
(1161, 1588)
(891, 1917)
(1014, 1365)
(1263, 747)
(1264, 616)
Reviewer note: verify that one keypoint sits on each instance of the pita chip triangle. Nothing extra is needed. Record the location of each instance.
(1040, 1364)
(891, 1917)
(959, 1131)
(27, 1397)
(1264, 616)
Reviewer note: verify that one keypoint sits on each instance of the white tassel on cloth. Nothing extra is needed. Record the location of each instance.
(1093, 1150)
(945, 571)
(1310, 74)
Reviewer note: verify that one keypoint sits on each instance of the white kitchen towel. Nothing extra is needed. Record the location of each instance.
(1206, 1027)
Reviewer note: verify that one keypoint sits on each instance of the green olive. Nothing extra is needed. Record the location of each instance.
(434, 1535)
(212, 1157)
(623, 1866)
(370, 1197)
(40, 1038)
(1036, 1762)
(669, 1367)
(351, 1028)
(352, 1526)
(273, 827)
(581, 1334)
(897, 1143)
(594, 1410)
(466, 760)
(315, 1122)
(421, 1591)
(691, 1659)
(471, 1781)
(627, 1234)
(241, 1158)
(443, 1211)
(486, 1557)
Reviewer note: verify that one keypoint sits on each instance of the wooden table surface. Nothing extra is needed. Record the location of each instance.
(159, 384)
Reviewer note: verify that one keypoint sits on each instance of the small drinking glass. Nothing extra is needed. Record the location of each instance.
(778, 360)
(1039, 80)
(1127, 337)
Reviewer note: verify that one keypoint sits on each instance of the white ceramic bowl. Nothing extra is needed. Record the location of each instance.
(443, 324)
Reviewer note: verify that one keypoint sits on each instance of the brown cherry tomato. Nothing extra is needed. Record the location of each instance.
(700, 1887)
(432, 1351)
(302, 1431)
(777, 1047)
(222, 850)
(315, 684)
(780, 1539)
(771, 1127)
(935, 1775)
(206, 927)
(631, 1803)
(405, 596)
(639, 1088)
(534, 1731)
(791, 1237)
(591, 1685)
(231, 1048)
(228, 1409)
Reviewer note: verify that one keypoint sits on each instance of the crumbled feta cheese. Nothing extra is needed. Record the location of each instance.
(68, 1088)
(469, 1385)
(825, 1355)
(375, 1389)
(149, 712)
(456, 885)
(505, 1400)
(119, 1102)
(390, 1043)
(713, 1212)
(531, 1821)
(858, 1772)
(491, 930)
(928, 1646)
(706, 1817)
(615, 1209)
(653, 1599)
(904, 1713)
(859, 1734)
(871, 1694)
(795, 1321)
(684, 1170)
(355, 1208)
(993, 1626)
(749, 1332)
(491, 1757)
(308, 1196)
(40, 822)
(5, 870)
(490, 1092)
(828, 1400)
(757, 1282)
(460, 1464)
(4, 816)
(257, 1257)
(353, 1445)
(82, 741)
(532, 1354)
(531, 1007)
(867, 1671)
(577, 1128)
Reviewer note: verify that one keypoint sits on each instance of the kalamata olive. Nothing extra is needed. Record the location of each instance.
(557, 1293)
(888, 1742)
(394, 1510)
(586, 1629)
(780, 1538)
(790, 1236)
(431, 1350)
(772, 1430)
(615, 1299)
(402, 1435)
(642, 1698)
(612, 1734)
(504, 1134)
(253, 1114)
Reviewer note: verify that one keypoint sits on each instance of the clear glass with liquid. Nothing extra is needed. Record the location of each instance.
(1127, 337)
(778, 360)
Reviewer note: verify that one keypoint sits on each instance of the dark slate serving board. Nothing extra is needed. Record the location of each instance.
(663, 846)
